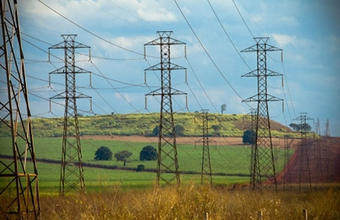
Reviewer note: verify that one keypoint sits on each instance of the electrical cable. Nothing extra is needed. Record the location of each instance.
(90, 32)
(200, 42)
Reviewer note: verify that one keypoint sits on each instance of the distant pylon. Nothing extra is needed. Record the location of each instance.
(304, 168)
(19, 192)
(327, 129)
(287, 181)
(71, 173)
(318, 152)
(206, 174)
(263, 158)
(167, 162)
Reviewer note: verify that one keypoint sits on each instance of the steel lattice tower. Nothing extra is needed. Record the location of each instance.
(19, 192)
(263, 157)
(71, 174)
(253, 160)
(167, 162)
(206, 174)
(304, 169)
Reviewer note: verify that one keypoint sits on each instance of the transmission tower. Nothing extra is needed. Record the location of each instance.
(287, 179)
(71, 174)
(327, 130)
(263, 157)
(19, 192)
(318, 152)
(167, 162)
(206, 174)
(304, 168)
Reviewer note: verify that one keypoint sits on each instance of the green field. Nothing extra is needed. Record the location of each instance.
(224, 159)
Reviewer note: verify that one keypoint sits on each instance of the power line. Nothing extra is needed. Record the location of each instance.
(200, 42)
(90, 32)
(226, 33)
(199, 82)
(242, 18)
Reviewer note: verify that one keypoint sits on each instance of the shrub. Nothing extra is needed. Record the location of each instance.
(140, 167)
(248, 137)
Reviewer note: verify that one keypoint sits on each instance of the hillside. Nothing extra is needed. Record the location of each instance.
(227, 125)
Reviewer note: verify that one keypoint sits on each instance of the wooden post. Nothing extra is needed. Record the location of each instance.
(260, 215)
(206, 217)
(305, 214)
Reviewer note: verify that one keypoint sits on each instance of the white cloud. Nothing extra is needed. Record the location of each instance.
(283, 39)
(160, 15)
(292, 21)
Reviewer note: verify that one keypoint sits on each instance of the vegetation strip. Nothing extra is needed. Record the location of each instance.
(113, 167)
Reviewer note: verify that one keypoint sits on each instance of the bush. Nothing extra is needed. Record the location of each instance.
(248, 137)
(148, 153)
(103, 153)
(140, 167)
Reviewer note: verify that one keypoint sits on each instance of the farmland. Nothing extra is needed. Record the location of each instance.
(230, 163)
(114, 191)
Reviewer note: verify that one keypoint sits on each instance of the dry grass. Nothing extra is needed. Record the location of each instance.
(191, 202)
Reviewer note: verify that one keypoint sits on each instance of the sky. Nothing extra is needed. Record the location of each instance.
(214, 31)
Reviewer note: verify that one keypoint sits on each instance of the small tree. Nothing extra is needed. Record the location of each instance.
(248, 137)
(223, 108)
(148, 153)
(217, 129)
(103, 153)
(123, 156)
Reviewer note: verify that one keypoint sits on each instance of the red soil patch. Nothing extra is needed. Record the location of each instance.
(324, 163)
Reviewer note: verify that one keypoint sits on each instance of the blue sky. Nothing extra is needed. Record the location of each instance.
(306, 30)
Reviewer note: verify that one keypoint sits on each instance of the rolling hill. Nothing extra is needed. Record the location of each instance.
(226, 125)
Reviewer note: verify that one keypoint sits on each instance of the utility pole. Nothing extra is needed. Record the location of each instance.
(19, 193)
(206, 174)
(167, 162)
(304, 171)
(71, 173)
(263, 157)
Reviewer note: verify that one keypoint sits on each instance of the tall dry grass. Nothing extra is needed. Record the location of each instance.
(191, 202)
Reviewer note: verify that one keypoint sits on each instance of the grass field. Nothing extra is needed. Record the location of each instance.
(224, 159)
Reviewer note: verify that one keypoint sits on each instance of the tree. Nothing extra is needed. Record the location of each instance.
(179, 130)
(216, 129)
(148, 153)
(155, 131)
(223, 108)
(123, 156)
(294, 126)
(248, 137)
(299, 127)
(103, 153)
